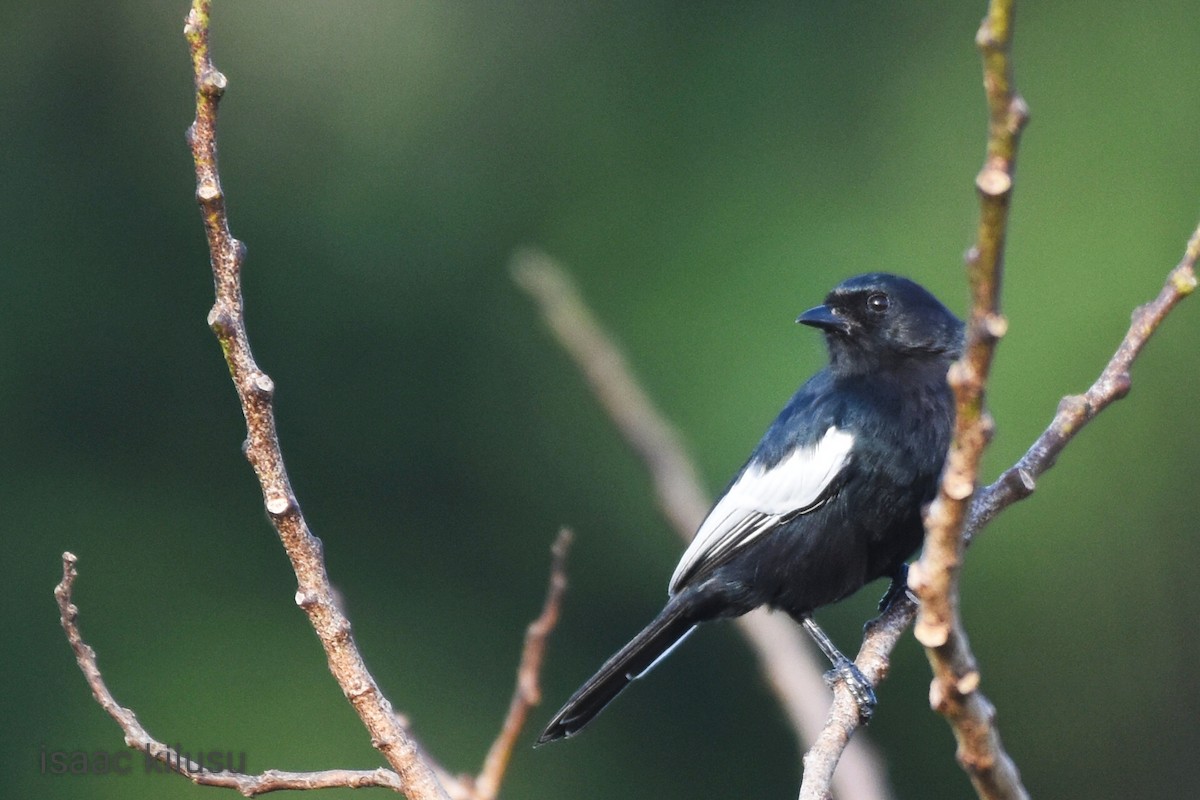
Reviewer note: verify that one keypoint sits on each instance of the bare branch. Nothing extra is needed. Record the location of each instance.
(934, 577)
(874, 661)
(644, 428)
(528, 692)
(140, 739)
(784, 654)
(1076, 411)
(255, 391)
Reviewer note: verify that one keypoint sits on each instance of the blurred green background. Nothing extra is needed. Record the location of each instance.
(706, 171)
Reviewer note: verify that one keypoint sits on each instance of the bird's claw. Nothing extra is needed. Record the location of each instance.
(845, 671)
(896, 590)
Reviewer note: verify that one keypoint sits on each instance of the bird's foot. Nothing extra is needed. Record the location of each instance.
(845, 671)
(897, 590)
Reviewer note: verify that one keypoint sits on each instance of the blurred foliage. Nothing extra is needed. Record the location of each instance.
(707, 172)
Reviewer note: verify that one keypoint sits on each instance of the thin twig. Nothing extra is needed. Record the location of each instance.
(1075, 411)
(528, 692)
(934, 578)
(653, 439)
(784, 655)
(140, 739)
(255, 391)
(873, 660)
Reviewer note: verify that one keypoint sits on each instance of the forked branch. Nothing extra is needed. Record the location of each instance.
(413, 772)
(256, 392)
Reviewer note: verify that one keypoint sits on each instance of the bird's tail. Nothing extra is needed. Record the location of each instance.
(632, 661)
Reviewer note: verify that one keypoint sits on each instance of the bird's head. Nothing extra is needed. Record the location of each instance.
(875, 320)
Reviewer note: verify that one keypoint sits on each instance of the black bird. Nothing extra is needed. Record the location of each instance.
(830, 499)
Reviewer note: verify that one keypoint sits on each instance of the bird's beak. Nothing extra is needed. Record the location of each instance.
(823, 317)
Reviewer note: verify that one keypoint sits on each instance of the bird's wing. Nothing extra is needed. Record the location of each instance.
(763, 496)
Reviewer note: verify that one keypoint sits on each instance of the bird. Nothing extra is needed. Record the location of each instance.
(831, 498)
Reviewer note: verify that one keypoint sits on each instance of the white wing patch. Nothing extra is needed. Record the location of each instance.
(761, 498)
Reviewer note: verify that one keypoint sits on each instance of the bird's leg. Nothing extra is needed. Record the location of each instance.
(844, 670)
(897, 589)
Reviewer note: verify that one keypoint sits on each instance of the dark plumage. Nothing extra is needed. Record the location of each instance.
(830, 499)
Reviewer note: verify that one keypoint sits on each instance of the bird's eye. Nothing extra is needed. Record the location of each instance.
(878, 303)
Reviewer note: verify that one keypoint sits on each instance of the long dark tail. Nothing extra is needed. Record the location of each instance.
(654, 642)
